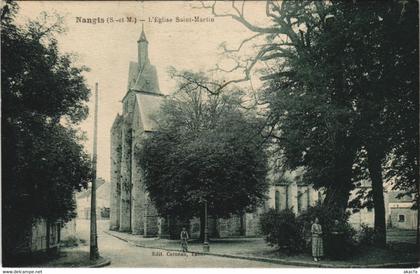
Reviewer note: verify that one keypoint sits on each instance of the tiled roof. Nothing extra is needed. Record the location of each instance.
(133, 71)
(404, 199)
(147, 79)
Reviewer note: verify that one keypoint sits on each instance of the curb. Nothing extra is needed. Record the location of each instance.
(279, 261)
(103, 262)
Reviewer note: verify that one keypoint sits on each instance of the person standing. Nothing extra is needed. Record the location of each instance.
(317, 245)
(184, 239)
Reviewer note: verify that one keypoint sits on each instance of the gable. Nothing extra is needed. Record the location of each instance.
(147, 79)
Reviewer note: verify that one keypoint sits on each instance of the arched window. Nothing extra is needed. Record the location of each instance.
(319, 197)
(277, 201)
(299, 201)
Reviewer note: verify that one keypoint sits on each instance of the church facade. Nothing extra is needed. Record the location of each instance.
(131, 210)
(130, 207)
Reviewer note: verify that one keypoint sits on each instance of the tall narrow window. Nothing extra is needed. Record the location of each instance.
(277, 201)
(299, 201)
(308, 198)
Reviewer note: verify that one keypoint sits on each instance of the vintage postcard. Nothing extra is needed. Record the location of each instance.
(210, 134)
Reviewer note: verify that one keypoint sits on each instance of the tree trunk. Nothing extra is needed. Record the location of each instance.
(338, 193)
(418, 225)
(202, 222)
(375, 170)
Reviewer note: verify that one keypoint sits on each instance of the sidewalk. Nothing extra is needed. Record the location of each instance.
(256, 249)
(73, 257)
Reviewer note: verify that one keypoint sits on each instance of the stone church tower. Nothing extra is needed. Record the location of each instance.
(131, 209)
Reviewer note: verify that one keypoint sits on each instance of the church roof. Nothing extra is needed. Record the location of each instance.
(133, 70)
(148, 105)
(144, 85)
(142, 36)
(142, 76)
(147, 79)
(143, 80)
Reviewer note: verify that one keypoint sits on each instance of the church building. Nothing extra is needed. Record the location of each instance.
(130, 207)
(131, 210)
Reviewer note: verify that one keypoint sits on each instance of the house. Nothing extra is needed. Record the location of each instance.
(401, 214)
(102, 201)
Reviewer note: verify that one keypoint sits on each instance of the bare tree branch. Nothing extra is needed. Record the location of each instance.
(236, 9)
(225, 50)
(218, 68)
(240, 19)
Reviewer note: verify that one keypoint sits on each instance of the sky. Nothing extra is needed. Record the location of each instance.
(107, 48)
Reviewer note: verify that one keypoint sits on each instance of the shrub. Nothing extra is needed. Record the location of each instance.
(293, 234)
(281, 229)
(366, 235)
(336, 244)
(71, 241)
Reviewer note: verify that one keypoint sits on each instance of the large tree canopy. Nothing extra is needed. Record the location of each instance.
(43, 97)
(206, 148)
(353, 75)
(342, 92)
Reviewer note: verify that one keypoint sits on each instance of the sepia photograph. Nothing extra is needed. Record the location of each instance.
(210, 134)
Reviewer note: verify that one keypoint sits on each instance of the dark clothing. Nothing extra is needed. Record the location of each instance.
(184, 241)
(184, 235)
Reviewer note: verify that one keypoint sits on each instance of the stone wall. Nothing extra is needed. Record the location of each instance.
(115, 195)
(69, 230)
(233, 226)
(364, 216)
(195, 228)
(125, 202)
(137, 195)
(38, 236)
(252, 221)
(151, 219)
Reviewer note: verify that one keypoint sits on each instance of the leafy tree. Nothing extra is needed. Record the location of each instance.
(380, 71)
(204, 149)
(43, 98)
(309, 116)
(343, 92)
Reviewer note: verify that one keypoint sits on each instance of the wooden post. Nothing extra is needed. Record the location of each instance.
(94, 253)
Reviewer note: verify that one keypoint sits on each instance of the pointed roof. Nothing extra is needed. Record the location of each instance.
(142, 35)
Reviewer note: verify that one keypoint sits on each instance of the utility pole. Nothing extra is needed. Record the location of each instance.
(206, 246)
(94, 253)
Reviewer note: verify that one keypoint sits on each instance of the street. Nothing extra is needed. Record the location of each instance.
(123, 254)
